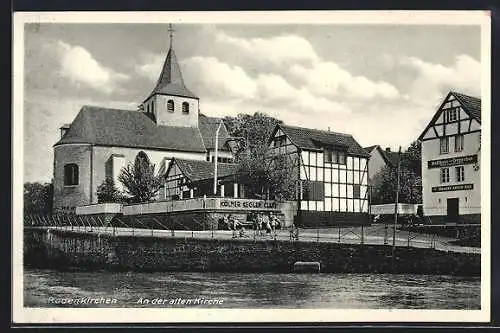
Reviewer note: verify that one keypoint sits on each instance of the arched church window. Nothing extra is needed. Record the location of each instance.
(70, 174)
(170, 105)
(185, 107)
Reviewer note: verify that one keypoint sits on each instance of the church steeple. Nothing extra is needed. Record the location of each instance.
(170, 81)
(171, 103)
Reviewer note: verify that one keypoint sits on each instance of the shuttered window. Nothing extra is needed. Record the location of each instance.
(313, 191)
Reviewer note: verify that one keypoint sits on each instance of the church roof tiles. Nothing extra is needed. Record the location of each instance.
(126, 128)
(208, 127)
(170, 81)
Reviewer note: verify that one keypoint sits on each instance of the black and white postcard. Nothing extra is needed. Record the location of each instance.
(183, 167)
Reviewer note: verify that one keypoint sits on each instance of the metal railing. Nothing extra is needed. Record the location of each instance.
(376, 234)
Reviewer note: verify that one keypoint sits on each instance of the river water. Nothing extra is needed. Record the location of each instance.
(50, 288)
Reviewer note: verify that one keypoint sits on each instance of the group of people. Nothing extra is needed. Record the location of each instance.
(260, 222)
(268, 222)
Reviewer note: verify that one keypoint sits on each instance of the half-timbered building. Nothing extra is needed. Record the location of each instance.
(188, 179)
(451, 146)
(331, 171)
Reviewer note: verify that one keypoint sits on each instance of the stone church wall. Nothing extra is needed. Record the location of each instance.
(67, 198)
(156, 157)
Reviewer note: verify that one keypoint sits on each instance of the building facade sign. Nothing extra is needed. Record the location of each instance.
(247, 204)
(453, 188)
(447, 162)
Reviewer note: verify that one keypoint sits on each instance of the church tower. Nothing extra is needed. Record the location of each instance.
(171, 103)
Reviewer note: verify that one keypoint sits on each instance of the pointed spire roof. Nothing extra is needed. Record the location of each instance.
(170, 81)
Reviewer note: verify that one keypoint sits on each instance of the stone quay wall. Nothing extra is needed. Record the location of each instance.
(62, 249)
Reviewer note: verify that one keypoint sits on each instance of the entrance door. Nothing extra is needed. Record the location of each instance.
(452, 210)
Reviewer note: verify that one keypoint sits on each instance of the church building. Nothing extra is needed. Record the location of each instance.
(101, 141)
(451, 153)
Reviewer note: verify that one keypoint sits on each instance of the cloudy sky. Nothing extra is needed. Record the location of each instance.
(381, 84)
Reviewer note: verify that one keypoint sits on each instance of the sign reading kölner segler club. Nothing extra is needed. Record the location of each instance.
(248, 204)
(446, 162)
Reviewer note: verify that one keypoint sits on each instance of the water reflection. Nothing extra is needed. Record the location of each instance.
(265, 290)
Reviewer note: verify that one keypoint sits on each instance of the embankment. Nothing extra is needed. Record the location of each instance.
(60, 249)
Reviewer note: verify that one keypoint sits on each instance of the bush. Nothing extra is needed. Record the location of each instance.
(107, 192)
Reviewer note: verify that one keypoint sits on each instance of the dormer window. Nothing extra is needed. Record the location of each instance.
(170, 105)
(185, 108)
(64, 129)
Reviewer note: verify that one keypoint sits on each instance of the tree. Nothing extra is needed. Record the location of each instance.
(412, 158)
(265, 176)
(410, 183)
(385, 181)
(252, 172)
(281, 177)
(139, 180)
(255, 128)
(107, 191)
(38, 198)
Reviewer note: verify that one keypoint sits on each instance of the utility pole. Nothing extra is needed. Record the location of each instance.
(396, 205)
(216, 157)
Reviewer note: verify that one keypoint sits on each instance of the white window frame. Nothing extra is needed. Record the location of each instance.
(442, 146)
(459, 139)
(453, 112)
(460, 173)
(444, 175)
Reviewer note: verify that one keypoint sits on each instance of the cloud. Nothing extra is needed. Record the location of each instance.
(44, 113)
(149, 65)
(329, 79)
(79, 66)
(434, 80)
(224, 82)
(285, 77)
(294, 58)
(219, 79)
(278, 50)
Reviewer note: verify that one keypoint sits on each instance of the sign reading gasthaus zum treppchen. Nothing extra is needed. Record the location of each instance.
(446, 162)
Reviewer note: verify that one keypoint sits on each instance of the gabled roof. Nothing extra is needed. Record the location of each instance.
(170, 81)
(306, 138)
(370, 148)
(471, 105)
(125, 128)
(196, 170)
(208, 127)
(390, 157)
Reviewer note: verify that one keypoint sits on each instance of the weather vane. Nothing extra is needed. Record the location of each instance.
(171, 31)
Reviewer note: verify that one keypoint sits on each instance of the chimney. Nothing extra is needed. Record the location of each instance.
(328, 129)
(388, 149)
